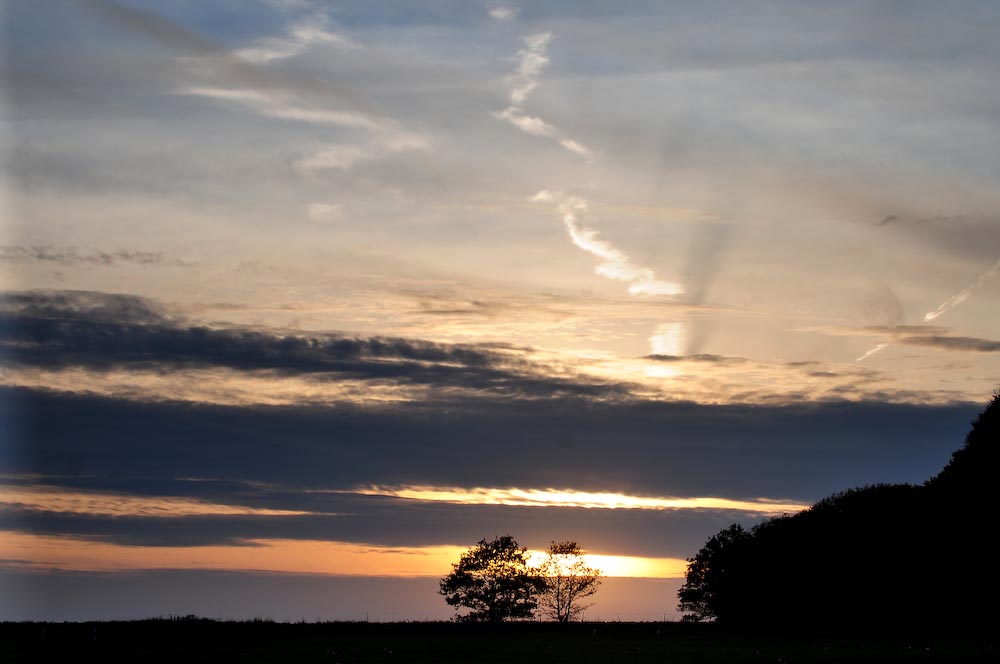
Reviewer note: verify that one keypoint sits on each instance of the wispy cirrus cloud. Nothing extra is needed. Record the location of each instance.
(237, 79)
(299, 37)
(285, 106)
(500, 12)
(384, 136)
(531, 62)
(539, 127)
(379, 146)
(615, 264)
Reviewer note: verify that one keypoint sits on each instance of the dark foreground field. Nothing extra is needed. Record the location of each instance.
(193, 640)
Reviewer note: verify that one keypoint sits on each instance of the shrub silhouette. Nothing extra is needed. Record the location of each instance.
(898, 556)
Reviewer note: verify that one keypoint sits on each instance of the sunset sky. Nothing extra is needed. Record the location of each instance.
(303, 298)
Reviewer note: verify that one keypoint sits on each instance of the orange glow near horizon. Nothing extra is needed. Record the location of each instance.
(626, 566)
(285, 556)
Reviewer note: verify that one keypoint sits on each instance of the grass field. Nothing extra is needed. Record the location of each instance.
(193, 640)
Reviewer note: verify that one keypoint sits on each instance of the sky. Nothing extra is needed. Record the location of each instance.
(301, 299)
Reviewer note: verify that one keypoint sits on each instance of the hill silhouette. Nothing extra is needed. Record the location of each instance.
(882, 556)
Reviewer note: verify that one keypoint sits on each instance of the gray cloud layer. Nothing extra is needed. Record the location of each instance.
(799, 452)
(75, 256)
(102, 331)
(396, 522)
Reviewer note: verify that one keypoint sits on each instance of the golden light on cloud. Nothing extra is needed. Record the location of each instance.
(668, 339)
(286, 556)
(96, 504)
(570, 498)
(217, 386)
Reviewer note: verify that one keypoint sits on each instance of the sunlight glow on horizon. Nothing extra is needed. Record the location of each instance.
(286, 556)
(626, 566)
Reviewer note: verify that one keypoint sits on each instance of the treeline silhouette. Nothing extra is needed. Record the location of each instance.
(884, 556)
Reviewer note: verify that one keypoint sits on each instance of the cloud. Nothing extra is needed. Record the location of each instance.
(300, 36)
(952, 343)
(526, 123)
(336, 157)
(344, 157)
(667, 340)
(538, 127)
(615, 263)
(281, 105)
(207, 57)
(531, 61)
(75, 256)
(503, 12)
(59, 330)
(286, 457)
(184, 512)
(325, 212)
(388, 521)
(570, 498)
(573, 146)
(84, 306)
(699, 357)
(928, 336)
(237, 79)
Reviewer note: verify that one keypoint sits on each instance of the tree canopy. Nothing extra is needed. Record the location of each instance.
(494, 582)
(709, 575)
(569, 580)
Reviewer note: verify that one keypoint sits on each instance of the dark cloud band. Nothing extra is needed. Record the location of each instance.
(61, 329)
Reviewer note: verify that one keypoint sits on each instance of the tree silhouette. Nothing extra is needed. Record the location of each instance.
(888, 556)
(494, 582)
(568, 580)
(710, 575)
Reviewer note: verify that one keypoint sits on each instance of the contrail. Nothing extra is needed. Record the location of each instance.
(871, 352)
(615, 263)
(962, 295)
(947, 305)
